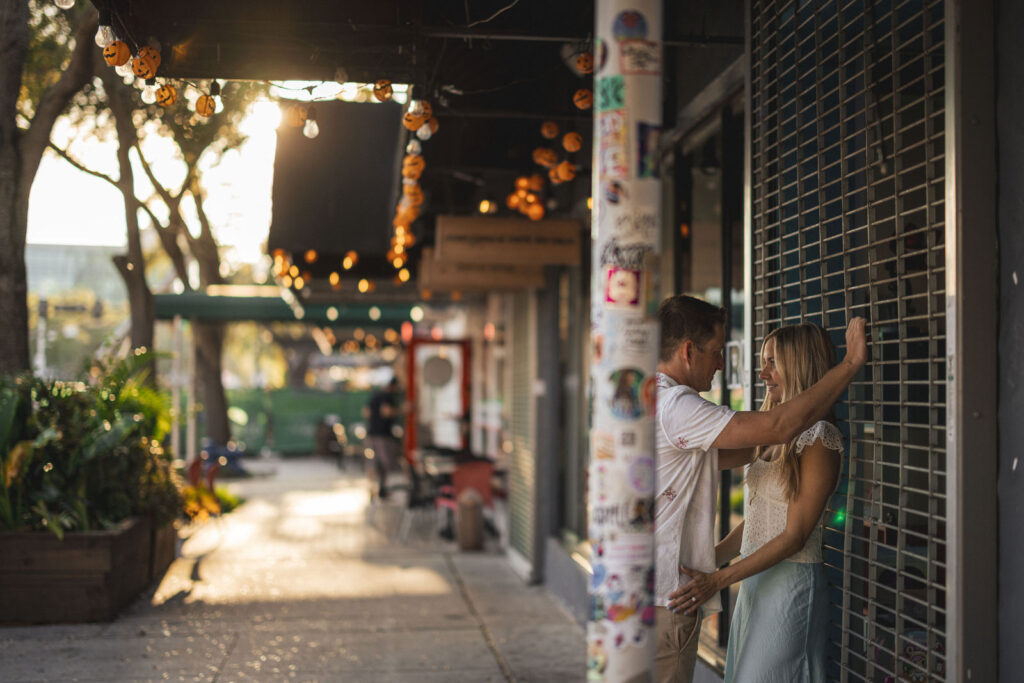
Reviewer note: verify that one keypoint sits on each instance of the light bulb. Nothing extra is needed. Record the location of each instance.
(423, 132)
(416, 107)
(414, 147)
(149, 95)
(64, 4)
(104, 36)
(311, 129)
(124, 70)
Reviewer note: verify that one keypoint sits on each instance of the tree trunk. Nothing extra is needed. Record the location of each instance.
(20, 154)
(132, 265)
(209, 345)
(209, 336)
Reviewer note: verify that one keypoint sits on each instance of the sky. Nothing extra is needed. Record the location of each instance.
(68, 206)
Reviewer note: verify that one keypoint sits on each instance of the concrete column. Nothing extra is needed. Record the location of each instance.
(624, 299)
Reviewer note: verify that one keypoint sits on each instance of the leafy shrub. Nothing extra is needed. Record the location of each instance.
(85, 455)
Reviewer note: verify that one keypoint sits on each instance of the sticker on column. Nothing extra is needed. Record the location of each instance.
(641, 475)
(611, 93)
(612, 147)
(622, 288)
(614, 192)
(638, 225)
(639, 58)
(625, 401)
(604, 445)
(629, 25)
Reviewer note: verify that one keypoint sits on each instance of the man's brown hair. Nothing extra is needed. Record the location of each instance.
(685, 317)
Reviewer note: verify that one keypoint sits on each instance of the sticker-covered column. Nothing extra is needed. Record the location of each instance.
(624, 335)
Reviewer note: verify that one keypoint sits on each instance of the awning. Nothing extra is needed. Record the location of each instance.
(201, 306)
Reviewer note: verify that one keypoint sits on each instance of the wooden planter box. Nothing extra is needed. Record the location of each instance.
(89, 576)
(163, 550)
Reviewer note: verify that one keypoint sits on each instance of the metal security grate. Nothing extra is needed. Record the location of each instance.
(848, 181)
(521, 466)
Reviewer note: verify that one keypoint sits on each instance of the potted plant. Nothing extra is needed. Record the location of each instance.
(87, 493)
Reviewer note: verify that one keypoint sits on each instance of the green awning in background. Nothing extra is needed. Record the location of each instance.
(202, 306)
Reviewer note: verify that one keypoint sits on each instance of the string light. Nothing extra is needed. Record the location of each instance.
(311, 129)
(64, 4)
(104, 33)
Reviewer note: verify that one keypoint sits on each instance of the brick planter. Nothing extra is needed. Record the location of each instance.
(89, 576)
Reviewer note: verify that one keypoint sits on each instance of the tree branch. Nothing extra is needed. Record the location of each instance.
(63, 153)
(165, 196)
(78, 72)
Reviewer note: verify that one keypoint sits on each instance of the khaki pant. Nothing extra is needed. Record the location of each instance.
(678, 635)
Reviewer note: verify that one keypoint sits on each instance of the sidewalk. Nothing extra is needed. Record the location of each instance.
(295, 585)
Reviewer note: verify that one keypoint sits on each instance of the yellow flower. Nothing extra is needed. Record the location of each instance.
(14, 461)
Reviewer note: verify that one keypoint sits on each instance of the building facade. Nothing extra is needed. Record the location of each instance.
(839, 160)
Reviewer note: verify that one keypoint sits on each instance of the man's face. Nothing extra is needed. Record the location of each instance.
(707, 361)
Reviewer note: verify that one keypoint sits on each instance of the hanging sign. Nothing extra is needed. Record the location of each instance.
(438, 275)
(508, 241)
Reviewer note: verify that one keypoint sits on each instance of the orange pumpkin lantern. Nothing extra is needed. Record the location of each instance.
(512, 201)
(432, 123)
(549, 129)
(522, 183)
(572, 141)
(585, 62)
(583, 98)
(412, 172)
(166, 95)
(566, 171)
(535, 211)
(144, 66)
(206, 105)
(536, 182)
(117, 53)
(553, 176)
(427, 111)
(152, 52)
(382, 90)
(414, 161)
(545, 156)
(412, 121)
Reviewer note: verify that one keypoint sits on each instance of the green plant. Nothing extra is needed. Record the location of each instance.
(85, 455)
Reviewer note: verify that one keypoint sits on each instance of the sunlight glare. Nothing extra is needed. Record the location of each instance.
(263, 117)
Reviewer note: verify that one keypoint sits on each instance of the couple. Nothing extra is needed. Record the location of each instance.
(792, 457)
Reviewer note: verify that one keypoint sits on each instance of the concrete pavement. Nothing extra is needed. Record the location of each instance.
(297, 585)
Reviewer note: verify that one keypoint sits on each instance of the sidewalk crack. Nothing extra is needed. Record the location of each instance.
(506, 670)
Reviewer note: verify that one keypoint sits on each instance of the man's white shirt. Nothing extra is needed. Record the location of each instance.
(686, 486)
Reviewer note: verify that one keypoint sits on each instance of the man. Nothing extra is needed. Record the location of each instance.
(689, 432)
(380, 413)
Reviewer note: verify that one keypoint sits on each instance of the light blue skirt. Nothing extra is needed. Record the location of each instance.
(780, 626)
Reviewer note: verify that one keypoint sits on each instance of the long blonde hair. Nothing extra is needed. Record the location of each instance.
(803, 354)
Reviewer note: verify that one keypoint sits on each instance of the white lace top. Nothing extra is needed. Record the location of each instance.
(765, 504)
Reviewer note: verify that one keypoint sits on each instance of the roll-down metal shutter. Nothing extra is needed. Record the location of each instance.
(522, 469)
(848, 182)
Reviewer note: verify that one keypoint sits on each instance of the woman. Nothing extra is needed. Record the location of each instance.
(780, 623)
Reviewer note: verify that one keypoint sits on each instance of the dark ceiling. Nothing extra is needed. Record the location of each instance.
(493, 70)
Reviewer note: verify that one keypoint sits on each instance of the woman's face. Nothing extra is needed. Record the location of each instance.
(770, 372)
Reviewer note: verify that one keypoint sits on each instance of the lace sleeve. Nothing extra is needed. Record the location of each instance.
(827, 432)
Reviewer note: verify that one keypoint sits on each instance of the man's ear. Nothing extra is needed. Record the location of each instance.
(685, 352)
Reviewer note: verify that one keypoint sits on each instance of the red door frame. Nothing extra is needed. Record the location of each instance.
(410, 416)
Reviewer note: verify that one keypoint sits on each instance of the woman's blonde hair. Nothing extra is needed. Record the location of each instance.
(803, 354)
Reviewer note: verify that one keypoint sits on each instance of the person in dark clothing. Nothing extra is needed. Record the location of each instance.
(381, 412)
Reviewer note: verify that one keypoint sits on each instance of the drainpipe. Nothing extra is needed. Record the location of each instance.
(624, 336)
